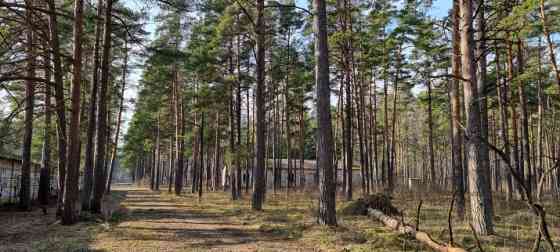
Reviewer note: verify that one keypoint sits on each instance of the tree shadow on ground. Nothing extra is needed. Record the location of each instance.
(35, 231)
(159, 221)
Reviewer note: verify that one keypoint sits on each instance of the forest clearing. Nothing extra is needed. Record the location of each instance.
(289, 125)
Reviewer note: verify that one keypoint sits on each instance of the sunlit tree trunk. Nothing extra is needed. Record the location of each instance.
(481, 212)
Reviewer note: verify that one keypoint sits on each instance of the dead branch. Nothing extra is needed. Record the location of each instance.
(418, 216)
(478, 244)
(449, 219)
(537, 209)
(409, 230)
(537, 243)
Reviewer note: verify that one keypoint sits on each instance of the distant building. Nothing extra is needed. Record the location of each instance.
(10, 179)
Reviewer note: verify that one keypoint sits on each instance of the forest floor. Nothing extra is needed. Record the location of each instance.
(142, 220)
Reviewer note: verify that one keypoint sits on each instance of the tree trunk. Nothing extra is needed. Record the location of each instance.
(101, 148)
(391, 151)
(157, 159)
(514, 127)
(348, 136)
(25, 184)
(171, 164)
(59, 100)
(525, 144)
(259, 185)
(504, 128)
(374, 129)
(431, 137)
(179, 129)
(457, 152)
(411, 231)
(302, 142)
(91, 130)
(201, 154)
(45, 179)
(540, 114)
(70, 214)
(480, 211)
(119, 118)
(327, 188)
(481, 86)
(238, 179)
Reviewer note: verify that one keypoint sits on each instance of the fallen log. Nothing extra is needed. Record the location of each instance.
(411, 231)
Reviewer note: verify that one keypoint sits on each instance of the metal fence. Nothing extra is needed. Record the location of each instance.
(10, 184)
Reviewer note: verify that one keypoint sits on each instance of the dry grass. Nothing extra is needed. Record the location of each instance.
(152, 221)
(34, 231)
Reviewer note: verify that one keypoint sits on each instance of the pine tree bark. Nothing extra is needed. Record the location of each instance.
(157, 159)
(457, 152)
(433, 180)
(540, 114)
(71, 191)
(179, 136)
(481, 85)
(59, 101)
(238, 179)
(259, 182)
(119, 118)
(391, 168)
(514, 126)
(91, 130)
(327, 188)
(504, 128)
(525, 144)
(45, 172)
(349, 150)
(374, 132)
(481, 212)
(100, 175)
(25, 183)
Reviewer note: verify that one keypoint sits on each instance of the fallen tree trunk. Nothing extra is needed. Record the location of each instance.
(409, 230)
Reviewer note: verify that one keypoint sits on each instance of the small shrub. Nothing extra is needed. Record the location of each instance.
(376, 201)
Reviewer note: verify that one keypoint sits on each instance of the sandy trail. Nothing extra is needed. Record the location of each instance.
(157, 223)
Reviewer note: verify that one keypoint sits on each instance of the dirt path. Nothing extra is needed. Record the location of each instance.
(155, 222)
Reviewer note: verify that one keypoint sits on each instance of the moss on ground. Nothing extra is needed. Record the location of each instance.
(288, 221)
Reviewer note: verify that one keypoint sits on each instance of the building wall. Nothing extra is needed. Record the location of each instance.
(10, 180)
